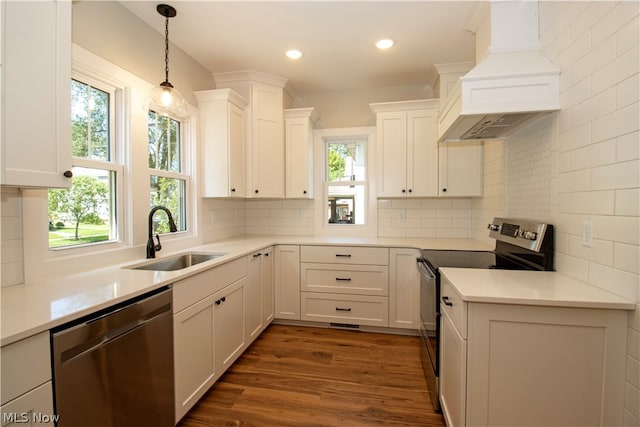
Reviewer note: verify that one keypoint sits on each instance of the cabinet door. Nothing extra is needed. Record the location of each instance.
(253, 303)
(422, 153)
(34, 408)
(222, 135)
(461, 168)
(266, 286)
(453, 373)
(299, 157)
(287, 282)
(392, 154)
(36, 68)
(229, 328)
(267, 142)
(404, 289)
(236, 151)
(194, 357)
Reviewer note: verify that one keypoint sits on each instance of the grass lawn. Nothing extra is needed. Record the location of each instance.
(87, 233)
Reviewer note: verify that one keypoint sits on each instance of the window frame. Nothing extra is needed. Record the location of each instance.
(322, 137)
(115, 165)
(187, 168)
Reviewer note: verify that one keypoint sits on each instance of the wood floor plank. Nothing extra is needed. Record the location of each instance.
(301, 376)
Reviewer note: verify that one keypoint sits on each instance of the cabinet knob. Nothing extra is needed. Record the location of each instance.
(217, 302)
(444, 190)
(410, 191)
(67, 174)
(404, 191)
(304, 192)
(257, 255)
(233, 190)
(256, 191)
(223, 299)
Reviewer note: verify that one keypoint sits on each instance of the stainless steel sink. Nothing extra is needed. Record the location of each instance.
(176, 262)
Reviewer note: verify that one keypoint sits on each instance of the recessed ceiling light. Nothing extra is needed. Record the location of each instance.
(294, 54)
(384, 43)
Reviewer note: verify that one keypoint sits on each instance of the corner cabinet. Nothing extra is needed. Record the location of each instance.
(222, 132)
(407, 148)
(298, 131)
(461, 168)
(36, 94)
(510, 364)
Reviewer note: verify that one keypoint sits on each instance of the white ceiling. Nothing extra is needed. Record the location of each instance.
(336, 37)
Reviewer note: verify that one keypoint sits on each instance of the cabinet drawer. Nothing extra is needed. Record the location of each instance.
(200, 286)
(350, 309)
(345, 255)
(26, 364)
(345, 279)
(451, 302)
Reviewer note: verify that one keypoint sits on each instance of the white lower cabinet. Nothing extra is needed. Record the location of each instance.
(228, 319)
(27, 394)
(287, 282)
(194, 354)
(208, 329)
(345, 285)
(267, 291)
(34, 408)
(404, 289)
(509, 364)
(259, 292)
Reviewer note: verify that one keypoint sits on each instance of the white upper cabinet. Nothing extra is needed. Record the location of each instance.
(36, 93)
(266, 146)
(264, 131)
(407, 148)
(298, 131)
(222, 132)
(461, 168)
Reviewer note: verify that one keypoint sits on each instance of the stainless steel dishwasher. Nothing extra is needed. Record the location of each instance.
(115, 367)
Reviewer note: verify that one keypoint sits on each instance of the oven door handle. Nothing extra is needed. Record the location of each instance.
(425, 270)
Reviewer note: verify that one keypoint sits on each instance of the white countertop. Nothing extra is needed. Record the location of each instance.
(546, 288)
(30, 308)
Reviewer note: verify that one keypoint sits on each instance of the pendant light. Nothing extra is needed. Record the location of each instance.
(164, 99)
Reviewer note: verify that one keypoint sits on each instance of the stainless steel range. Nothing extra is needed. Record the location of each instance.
(520, 245)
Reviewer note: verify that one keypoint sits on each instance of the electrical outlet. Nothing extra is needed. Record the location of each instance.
(587, 234)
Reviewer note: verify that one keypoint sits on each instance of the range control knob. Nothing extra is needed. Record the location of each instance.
(493, 227)
(527, 235)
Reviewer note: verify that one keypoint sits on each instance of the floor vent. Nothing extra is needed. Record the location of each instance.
(344, 326)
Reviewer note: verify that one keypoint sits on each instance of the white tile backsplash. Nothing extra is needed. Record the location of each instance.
(11, 253)
(598, 173)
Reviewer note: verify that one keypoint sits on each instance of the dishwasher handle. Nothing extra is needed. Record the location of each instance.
(92, 332)
(104, 339)
(425, 270)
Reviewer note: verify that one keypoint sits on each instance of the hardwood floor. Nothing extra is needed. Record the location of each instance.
(299, 376)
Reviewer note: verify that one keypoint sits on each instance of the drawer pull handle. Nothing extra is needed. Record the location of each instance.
(257, 255)
(343, 279)
(446, 301)
(343, 255)
(342, 309)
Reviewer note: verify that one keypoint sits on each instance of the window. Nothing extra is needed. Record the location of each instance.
(346, 186)
(168, 182)
(86, 213)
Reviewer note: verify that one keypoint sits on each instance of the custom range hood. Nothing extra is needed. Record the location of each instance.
(511, 84)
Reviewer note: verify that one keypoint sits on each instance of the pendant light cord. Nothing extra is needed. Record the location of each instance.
(166, 49)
